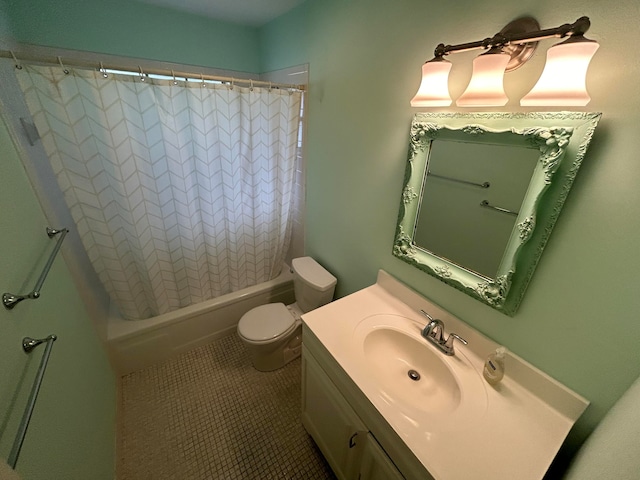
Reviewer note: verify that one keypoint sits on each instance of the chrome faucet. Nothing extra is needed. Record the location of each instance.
(434, 333)
(434, 329)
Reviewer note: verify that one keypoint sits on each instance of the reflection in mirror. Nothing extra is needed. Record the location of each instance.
(453, 224)
(481, 194)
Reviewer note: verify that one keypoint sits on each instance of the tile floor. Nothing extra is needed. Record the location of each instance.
(208, 414)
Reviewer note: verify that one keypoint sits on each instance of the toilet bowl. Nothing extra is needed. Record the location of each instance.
(272, 333)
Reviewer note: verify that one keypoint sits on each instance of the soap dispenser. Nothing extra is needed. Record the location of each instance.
(494, 366)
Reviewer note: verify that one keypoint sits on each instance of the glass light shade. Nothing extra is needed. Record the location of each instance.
(434, 88)
(486, 88)
(563, 80)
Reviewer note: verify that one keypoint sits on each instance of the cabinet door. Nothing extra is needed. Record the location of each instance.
(330, 420)
(375, 464)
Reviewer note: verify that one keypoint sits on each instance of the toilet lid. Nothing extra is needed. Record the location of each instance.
(265, 322)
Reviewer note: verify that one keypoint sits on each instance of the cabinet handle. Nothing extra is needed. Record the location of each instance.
(352, 443)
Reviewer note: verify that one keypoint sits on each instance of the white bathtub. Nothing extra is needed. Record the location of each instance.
(135, 344)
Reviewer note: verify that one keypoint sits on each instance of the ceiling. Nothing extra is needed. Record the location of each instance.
(245, 12)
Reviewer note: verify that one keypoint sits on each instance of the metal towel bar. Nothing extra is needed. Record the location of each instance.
(10, 300)
(486, 204)
(29, 344)
(467, 182)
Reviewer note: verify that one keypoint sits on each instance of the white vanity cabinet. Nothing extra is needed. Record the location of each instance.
(331, 421)
(375, 463)
(374, 421)
(343, 438)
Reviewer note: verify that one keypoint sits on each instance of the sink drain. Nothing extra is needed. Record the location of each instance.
(413, 375)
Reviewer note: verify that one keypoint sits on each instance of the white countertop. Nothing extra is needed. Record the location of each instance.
(510, 431)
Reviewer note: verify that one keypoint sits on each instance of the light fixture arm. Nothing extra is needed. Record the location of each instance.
(516, 36)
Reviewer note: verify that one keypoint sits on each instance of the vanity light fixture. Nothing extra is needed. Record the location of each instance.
(563, 81)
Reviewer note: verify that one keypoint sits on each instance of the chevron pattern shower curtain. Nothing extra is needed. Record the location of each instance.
(180, 193)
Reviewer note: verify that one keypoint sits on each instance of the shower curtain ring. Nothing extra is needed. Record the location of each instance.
(202, 80)
(103, 70)
(250, 85)
(142, 77)
(17, 65)
(65, 70)
(175, 82)
(232, 83)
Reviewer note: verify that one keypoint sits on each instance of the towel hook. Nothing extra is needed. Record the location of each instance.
(17, 65)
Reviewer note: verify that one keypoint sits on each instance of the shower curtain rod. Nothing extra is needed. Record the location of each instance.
(43, 56)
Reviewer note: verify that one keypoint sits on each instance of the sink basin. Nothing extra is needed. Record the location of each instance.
(399, 362)
(405, 371)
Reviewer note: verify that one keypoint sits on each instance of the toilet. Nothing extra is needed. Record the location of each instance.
(273, 332)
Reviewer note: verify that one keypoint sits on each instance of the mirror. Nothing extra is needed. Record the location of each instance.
(481, 194)
(462, 176)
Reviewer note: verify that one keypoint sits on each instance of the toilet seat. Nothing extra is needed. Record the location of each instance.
(265, 323)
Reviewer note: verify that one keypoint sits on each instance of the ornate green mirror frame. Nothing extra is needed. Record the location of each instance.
(561, 140)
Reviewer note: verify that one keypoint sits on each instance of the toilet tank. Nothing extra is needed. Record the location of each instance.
(312, 284)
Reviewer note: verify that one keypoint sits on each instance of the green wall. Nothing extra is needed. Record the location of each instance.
(578, 321)
(134, 29)
(72, 431)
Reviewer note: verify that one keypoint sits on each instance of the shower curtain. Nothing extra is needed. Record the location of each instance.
(181, 191)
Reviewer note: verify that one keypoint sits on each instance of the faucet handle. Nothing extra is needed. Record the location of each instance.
(427, 315)
(448, 345)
